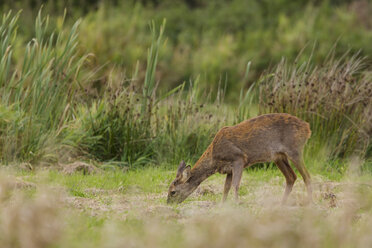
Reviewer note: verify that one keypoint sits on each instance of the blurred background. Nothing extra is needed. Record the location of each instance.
(211, 39)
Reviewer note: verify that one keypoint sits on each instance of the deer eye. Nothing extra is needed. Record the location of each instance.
(172, 193)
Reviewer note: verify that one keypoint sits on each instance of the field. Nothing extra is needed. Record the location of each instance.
(99, 103)
(49, 208)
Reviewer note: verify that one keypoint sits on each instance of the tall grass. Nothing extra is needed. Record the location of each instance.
(120, 126)
(189, 124)
(133, 125)
(45, 109)
(113, 128)
(335, 98)
(38, 89)
(175, 126)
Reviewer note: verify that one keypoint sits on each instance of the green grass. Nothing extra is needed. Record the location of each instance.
(149, 179)
(152, 179)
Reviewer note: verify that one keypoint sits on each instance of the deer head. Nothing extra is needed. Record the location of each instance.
(180, 188)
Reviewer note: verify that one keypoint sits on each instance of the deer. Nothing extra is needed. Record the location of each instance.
(277, 137)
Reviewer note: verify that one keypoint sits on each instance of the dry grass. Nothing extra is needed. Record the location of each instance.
(259, 221)
(335, 98)
(129, 216)
(26, 222)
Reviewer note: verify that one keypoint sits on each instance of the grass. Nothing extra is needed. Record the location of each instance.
(151, 179)
(112, 208)
(334, 99)
(37, 89)
(55, 111)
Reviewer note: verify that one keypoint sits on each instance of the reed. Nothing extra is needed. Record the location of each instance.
(39, 87)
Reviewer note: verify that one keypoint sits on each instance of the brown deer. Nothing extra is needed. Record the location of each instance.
(271, 137)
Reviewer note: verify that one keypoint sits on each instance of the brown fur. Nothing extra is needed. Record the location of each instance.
(266, 138)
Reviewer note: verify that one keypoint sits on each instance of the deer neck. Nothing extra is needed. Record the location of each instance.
(203, 168)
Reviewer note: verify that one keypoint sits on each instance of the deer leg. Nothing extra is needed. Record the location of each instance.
(227, 186)
(289, 168)
(298, 162)
(289, 175)
(237, 172)
(285, 160)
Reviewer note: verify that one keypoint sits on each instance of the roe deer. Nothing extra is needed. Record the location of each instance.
(271, 137)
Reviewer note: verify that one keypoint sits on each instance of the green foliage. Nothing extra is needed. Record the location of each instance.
(37, 89)
(55, 98)
(188, 125)
(135, 128)
(217, 39)
(212, 39)
(113, 130)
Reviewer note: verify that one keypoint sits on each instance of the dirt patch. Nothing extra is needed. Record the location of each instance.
(96, 191)
(11, 183)
(206, 190)
(93, 206)
(165, 212)
(79, 167)
(255, 198)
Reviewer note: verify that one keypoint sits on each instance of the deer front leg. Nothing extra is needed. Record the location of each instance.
(227, 186)
(237, 172)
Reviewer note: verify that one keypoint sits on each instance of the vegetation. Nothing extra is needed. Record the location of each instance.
(54, 101)
(335, 99)
(116, 209)
(211, 39)
(100, 102)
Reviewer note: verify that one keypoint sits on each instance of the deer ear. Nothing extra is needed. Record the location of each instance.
(181, 167)
(186, 173)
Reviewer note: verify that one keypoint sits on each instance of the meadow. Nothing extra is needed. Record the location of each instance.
(51, 208)
(96, 113)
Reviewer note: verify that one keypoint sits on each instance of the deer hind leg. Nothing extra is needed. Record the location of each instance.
(289, 174)
(297, 160)
(227, 186)
(237, 171)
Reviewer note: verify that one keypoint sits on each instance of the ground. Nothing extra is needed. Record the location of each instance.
(114, 207)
